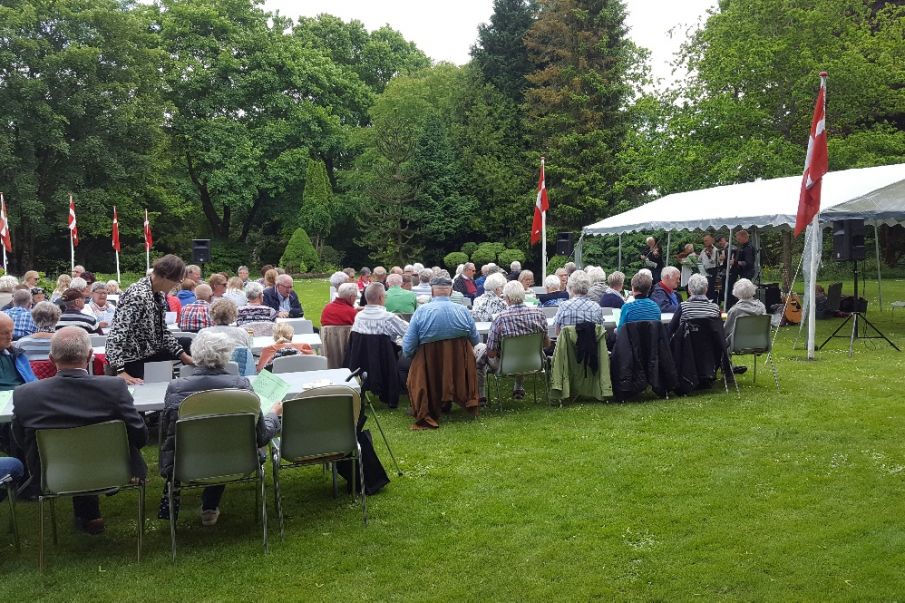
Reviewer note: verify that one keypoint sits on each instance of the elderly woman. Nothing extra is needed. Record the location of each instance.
(30, 278)
(744, 290)
(341, 311)
(337, 279)
(37, 345)
(218, 284)
(63, 282)
(613, 296)
(99, 306)
(554, 295)
(270, 278)
(491, 303)
(7, 284)
(113, 287)
(254, 310)
(223, 313)
(698, 305)
(598, 283)
(578, 308)
(282, 345)
(235, 291)
(526, 278)
(211, 351)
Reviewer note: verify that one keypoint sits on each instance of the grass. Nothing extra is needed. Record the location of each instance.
(784, 495)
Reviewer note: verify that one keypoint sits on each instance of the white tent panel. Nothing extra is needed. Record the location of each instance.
(766, 203)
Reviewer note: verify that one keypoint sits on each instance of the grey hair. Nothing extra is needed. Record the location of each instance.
(212, 349)
(253, 291)
(45, 314)
(515, 265)
(614, 278)
(514, 292)
(284, 278)
(697, 284)
(373, 292)
(744, 289)
(70, 345)
(241, 268)
(394, 280)
(8, 283)
(552, 282)
(99, 286)
(223, 312)
(417, 267)
(78, 283)
(347, 290)
(337, 279)
(647, 272)
(570, 267)
(578, 283)
(494, 281)
(21, 297)
(425, 275)
(642, 283)
(596, 274)
(669, 270)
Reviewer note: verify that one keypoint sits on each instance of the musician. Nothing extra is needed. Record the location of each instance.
(710, 261)
(652, 258)
(742, 265)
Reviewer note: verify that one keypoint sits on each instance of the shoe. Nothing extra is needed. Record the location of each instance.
(739, 370)
(518, 394)
(90, 526)
(209, 517)
(482, 402)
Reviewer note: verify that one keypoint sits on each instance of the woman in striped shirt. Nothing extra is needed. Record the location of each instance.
(37, 345)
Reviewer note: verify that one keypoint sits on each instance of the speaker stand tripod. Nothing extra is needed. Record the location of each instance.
(859, 331)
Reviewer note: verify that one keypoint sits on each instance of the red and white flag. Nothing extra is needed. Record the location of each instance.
(540, 207)
(4, 226)
(149, 242)
(73, 228)
(816, 163)
(115, 230)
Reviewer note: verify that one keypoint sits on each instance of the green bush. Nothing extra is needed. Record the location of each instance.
(331, 259)
(483, 255)
(299, 254)
(452, 260)
(507, 256)
(469, 248)
(556, 262)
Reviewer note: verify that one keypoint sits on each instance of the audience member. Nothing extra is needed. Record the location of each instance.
(341, 311)
(37, 295)
(31, 278)
(641, 307)
(99, 307)
(398, 300)
(78, 271)
(440, 319)
(375, 319)
(113, 287)
(698, 305)
(73, 315)
(563, 275)
(223, 314)
(14, 367)
(12, 467)
(242, 273)
(20, 312)
(664, 292)
(7, 285)
(554, 295)
(465, 284)
(37, 345)
(264, 270)
(570, 267)
(337, 279)
(486, 270)
(365, 279)
(89, 279)
(424, 283)
(379, 276)
(73, 398)
(282, 346)
(197, 315)
(743, 290)
(217, 282)
(613, 296)
(578, 308)
(491, 302)
(270, 278)
(526, 278)
(235, 291)
(254, 310)
(63, 282)
(186, 294)
(193, 273)
(598, 283)
(283, 299)
(515, 268)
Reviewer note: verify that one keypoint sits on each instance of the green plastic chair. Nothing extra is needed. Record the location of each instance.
(89, 460)
(751, 335)
(216, 444)
(319, 426)
(522, 355)
(6, 481)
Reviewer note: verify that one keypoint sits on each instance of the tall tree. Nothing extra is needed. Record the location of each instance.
(576, 103)
(319, 209)
(500, 52)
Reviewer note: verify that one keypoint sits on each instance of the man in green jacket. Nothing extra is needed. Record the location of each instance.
(398, 300)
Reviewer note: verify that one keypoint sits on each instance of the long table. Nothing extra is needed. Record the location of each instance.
(149, 396)
(609, 323)
(259, 343)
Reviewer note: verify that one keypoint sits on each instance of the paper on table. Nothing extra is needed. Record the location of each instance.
(270, 389)
(616, 313)
(6, 400)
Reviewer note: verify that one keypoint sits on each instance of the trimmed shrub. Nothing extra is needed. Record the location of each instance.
(483, 255)
(299, 254)
(469, 248)
(556, 262)
(507, 256)
(452, 260)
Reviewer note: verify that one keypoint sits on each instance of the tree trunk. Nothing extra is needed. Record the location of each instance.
(249, 220)
(207, 205)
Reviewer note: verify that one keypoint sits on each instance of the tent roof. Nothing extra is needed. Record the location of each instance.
(876, 193)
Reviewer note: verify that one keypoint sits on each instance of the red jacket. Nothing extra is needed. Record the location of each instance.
(339, 312)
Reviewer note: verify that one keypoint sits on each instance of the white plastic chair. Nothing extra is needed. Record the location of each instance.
(299, 364)
(158, 372)
(300, 326)
(187, 370)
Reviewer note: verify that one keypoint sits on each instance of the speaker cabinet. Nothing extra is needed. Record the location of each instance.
(848, 240)
(201, 251)
(564, 243)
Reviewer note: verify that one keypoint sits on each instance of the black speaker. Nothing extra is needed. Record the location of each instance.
(848, 240)
(201, 251)
(564, 243)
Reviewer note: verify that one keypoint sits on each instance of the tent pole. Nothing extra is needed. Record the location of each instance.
(728, 266)
(620, 252)
(578, 252)
(879, 278)
(665, 257)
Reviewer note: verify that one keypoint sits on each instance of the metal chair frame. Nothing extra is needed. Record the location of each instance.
(763, 328)
(531, 340)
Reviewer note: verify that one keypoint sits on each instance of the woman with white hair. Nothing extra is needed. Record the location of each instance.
(554, 296)
(7, 284)
(746, 305)
(37, 345)
(578, 308)
(491, 303)
(255, 310)
(210, 352)
(598, 283)
(698, 305)
(235, 291)
(613, 296)
(336, 279)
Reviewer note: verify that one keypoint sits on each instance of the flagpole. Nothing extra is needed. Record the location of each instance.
(812, 287)
(543, 235)
(117, 267)
(6, 226)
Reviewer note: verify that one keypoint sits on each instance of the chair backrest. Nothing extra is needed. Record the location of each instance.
(260, 329)
(215, 447)
(467, 302)
(187, 370)
(607, 311)
(299, 363)
(834, 297)
(550, 311)
(158, 372)
(171, 318)
(98, 340)
(320, 422)
(78, 459)
(219, 402)
(538, 290)
(751, 335)
(521, 355)
(300, 326)
(335, 340)
(186, 335)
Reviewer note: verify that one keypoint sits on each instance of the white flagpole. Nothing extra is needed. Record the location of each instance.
(117, 267)
(147, 257)
(6, 226)
(543, 232)
(812, 286)
(71, 252)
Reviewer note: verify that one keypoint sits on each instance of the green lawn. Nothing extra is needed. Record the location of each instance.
(796, 495)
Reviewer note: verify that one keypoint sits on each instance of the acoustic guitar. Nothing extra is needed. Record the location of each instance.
(792, 313)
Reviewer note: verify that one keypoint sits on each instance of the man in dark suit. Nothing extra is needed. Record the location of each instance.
(74, 398)
(283, 299)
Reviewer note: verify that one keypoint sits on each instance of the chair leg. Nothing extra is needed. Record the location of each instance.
(384, 436)
(333, 471)
(172, 520)
(263, 509)
(141, 517)
(364, 494)
(13, 524)
(257, 505)
(41, 533)
(277, 494)
(53, 521)
(534, 386)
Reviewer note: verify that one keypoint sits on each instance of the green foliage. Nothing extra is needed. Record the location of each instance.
(469, 248)
(299, 254)
(507, 256)
(486, 253)
(319, 208)
(500, 53)
(556, 262)
(452, 260)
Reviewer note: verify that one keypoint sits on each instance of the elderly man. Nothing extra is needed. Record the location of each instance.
(197, 315)
(283, 299)
(74, 398)
(77, 271)
(73, 313)
(398, 299)
(99, 306)
(555, 294)
(375, 318)
(193, 272)
(341, 311)
(641, 307)
(242, 273)
(20, 312)
(563, 275)
(698, 305)
(578, 308)
(424, 282)
(14, 366)
(652, 258)
(664, 292)
(465, 284)
(517, 319)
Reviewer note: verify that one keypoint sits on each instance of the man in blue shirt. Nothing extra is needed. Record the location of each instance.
(642, 308)
(439, 319)
(664, 292)
(23, 323)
